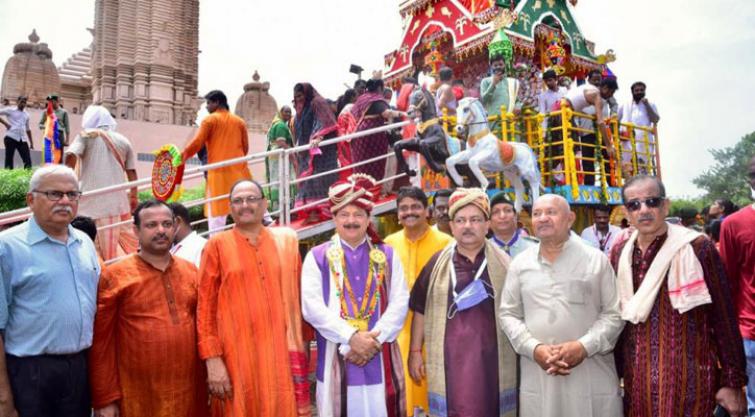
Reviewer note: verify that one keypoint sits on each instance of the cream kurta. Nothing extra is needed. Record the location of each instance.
(572, 299)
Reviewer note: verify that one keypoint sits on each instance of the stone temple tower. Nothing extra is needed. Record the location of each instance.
(144, 62)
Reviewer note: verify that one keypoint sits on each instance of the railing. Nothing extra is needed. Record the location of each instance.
(543, 138)
(558, 141)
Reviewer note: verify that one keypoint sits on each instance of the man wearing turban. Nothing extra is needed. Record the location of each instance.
(354, 295)
(470, 366)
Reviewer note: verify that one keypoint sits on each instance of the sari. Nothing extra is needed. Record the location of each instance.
(314, 119)
(374, 145)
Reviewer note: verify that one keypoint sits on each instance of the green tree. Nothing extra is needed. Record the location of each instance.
(727, 178)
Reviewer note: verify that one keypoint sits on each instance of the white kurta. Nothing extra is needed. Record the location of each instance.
(572, 299)
(594, 237)
(366, 400)
(190, 248)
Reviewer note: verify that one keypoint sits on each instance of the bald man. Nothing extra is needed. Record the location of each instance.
(560, 310)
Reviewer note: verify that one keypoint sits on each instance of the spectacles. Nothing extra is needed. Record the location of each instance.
(238, 201)
(57, 195)
(652, 202)
(461, 221)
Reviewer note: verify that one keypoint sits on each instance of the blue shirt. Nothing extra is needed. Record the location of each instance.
(50, 291)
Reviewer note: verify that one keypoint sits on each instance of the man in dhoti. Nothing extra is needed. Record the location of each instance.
(470, 366)
(105, 158)
(354, 295)
(415, 244)
(561, 312)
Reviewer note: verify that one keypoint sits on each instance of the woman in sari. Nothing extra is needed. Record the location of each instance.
(278, 137)
(314, 122)
(372, 111)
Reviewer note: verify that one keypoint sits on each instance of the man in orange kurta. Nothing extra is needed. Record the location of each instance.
(249, 315)
(225, 136)
(144, 360)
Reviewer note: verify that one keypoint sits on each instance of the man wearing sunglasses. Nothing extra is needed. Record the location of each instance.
(681, 351)
(48, 277)
(737, 247)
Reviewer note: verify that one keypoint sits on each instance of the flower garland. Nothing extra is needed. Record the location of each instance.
(337, 264)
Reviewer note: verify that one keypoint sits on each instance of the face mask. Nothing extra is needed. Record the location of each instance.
(473, 294)
(638, 97)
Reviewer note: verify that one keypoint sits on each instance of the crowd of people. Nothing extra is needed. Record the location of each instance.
(471, 316)
(463, 312)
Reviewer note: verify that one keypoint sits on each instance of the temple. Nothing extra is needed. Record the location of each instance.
(30, 72)
(145, 59)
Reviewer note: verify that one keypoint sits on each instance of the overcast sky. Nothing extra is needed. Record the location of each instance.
(695, 55)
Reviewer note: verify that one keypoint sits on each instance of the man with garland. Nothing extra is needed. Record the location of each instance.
(503, 223)
(415, 244)
(602, 234)
(354, 295)
(498, 90)
(470, 366)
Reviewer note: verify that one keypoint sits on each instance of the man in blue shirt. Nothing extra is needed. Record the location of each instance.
(49, 273)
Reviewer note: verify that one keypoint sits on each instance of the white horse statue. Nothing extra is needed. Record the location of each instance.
(484, 151)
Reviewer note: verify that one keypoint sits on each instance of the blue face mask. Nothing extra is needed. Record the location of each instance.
(473, 294)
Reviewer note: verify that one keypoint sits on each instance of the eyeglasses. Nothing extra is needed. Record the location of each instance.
(238, 201)
(57, 195)
(475, 221)
(652, 202)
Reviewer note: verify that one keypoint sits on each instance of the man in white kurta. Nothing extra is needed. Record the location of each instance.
(355, 296)
(189, 244)
(560, 311)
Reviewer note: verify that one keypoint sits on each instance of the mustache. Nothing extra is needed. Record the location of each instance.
(648, 217)
(351, 226)
(410, 216)
(160, 236)
(66, 209)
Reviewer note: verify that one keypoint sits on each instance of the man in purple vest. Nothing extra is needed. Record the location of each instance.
(355, 296)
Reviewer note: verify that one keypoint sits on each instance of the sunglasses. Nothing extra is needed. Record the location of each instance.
(652, 202)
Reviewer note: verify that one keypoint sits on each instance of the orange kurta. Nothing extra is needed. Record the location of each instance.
(249, 315)
(225, 136)
(144, 350)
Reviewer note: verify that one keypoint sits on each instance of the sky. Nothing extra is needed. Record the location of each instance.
(695, 56)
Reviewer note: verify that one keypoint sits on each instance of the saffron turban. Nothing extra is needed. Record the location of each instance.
(357, 189)
(463, 197)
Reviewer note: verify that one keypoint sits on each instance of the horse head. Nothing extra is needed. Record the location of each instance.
(422, 105)
(470, 117)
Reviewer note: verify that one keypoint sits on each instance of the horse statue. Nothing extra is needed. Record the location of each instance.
(484, 151)
(431, 141)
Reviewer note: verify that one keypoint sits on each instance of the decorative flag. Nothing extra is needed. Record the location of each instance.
(167, 173)
(53, 148)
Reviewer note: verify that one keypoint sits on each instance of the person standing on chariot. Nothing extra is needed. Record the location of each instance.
(499, 90)
(355, 296)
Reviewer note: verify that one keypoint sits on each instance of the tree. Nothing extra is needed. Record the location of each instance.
(728, 177)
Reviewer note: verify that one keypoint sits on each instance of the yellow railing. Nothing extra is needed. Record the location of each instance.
(560, 143)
